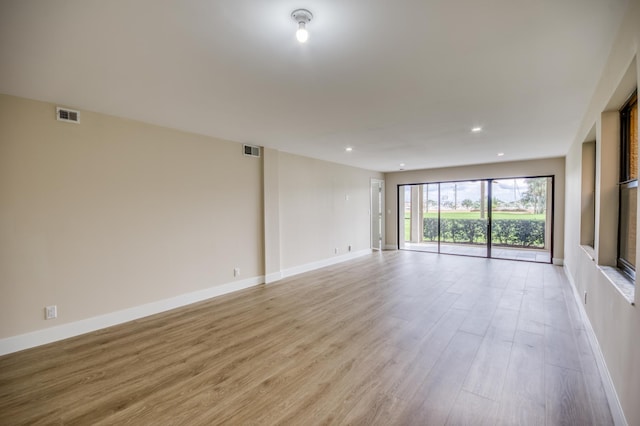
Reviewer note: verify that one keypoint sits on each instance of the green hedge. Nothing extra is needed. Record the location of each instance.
(506, 232)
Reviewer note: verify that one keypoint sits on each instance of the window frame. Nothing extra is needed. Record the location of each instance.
(625, 179)
(551, 215)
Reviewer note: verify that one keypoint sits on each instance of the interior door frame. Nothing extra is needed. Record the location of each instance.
(382, 209)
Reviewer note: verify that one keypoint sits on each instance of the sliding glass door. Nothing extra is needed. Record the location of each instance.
(520, 220)
(500, 218)
(419, 229)
(463, 218)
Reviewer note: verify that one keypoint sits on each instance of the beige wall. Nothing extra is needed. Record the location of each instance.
(588, 188)
(544, 167)
(615, 321)
(111, 214)
(271, 214)
(323, 206)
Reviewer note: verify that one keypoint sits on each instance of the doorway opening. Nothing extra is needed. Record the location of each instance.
(377, 214)
(510, 218)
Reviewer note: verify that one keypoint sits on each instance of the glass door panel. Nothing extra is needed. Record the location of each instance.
(418, 228)
(463, 218)
(429, 201)
(404, 216)
(521, 219)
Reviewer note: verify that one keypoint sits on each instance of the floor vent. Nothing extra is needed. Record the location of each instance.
(68, 115)
(251, 151)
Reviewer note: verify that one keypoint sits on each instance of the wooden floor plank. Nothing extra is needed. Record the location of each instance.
(392, 338)
(471, 409)
(491, 361)
(482, 312)
(414, 372)
(561, 349)
(516, 411)
(525, 373)
(567, 399)
(434, 399)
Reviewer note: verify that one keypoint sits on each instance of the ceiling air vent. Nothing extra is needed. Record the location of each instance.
(251, 151)
(68, 115)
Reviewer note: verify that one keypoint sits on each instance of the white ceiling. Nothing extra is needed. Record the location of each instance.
(399, 81)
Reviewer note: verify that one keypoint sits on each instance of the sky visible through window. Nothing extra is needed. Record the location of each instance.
(505, 190)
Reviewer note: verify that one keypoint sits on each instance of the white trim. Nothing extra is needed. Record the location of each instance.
(273, 277)
(64, 331)
(607, 383)
(391, 247)
(557, 261)
(324, 262)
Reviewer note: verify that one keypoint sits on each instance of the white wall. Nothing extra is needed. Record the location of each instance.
(544, 167)
(112, 215)
(616, 322)
(323, 206)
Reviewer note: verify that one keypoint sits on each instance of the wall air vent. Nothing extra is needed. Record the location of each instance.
(68, 115)
(251, 151)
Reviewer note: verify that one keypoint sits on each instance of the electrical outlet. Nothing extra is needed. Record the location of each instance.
(50, 312)
(236, 272)
(335, 250)
(349, 248)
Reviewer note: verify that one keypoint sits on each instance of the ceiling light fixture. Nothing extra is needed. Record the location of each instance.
(476, 129)
(302, 17)
(501, 154)
(348, 149)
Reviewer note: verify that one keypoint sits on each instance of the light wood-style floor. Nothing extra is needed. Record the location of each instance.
(391, 338)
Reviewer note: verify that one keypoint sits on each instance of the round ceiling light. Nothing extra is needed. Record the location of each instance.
(302, 17)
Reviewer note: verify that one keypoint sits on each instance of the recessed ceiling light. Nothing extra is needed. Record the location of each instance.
(501, 154)
(476, 129)
(401, 164)
(348, 149)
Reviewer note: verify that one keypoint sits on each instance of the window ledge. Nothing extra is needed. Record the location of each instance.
(621, 282)
(590, 251)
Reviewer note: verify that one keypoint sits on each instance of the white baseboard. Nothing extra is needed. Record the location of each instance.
(64, 331)
(273, 277)
(391, 247)
(324, 262)
(557, 261)
(607, 383)
(76, 328)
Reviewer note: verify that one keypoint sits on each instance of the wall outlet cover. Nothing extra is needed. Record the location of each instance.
(50, 312)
